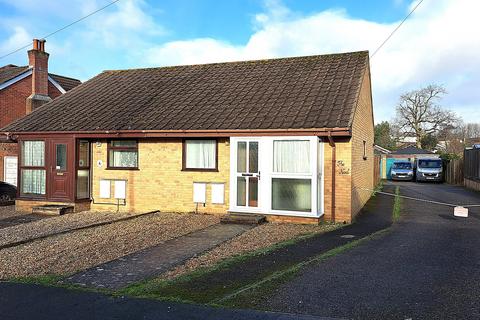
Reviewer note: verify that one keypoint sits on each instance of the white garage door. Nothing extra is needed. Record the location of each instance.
(10, 170)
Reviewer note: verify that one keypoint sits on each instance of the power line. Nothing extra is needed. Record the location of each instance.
(398, 27)
(63, 28)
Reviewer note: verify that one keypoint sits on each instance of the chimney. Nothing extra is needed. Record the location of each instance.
(38, 62)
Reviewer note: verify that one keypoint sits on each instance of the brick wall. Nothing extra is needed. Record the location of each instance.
(362, 130)
(13, 99)
(342, 181)
(160, 183)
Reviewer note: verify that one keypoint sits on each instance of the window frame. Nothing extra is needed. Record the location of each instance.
(310, 175)
(78, 167)
(184, 156)
(110, 147)
(365, 150)
(22, 167)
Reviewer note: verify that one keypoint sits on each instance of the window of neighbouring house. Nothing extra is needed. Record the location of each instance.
(123, 154)
(200, 154)
(292, 176)
(32, 171)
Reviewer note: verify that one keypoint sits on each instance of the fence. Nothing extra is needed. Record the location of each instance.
(471, 160)
(376, 169)
(454, 171)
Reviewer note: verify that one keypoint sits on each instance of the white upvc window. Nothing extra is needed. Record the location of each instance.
(293, 183)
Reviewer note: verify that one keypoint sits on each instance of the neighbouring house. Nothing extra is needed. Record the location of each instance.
(22, 90)
(409, 153)
(382, 153)
(290, 138)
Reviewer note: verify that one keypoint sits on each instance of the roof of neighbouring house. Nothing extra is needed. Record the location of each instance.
(11, 71)
(287, 93)
(412, 150)
(380, 150)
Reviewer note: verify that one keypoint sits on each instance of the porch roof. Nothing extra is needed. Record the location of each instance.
(287, 94)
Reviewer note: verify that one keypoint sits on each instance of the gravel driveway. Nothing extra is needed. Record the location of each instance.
(78, 250)
(57, 224)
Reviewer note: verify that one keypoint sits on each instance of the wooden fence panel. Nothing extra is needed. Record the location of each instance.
(454, 172)
(471, 159)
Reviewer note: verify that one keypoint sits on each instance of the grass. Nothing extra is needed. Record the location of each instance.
(397, 205)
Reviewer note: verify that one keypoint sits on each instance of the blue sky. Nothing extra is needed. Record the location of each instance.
(437, 45)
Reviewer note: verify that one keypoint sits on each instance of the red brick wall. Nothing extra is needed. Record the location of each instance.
(13, 99)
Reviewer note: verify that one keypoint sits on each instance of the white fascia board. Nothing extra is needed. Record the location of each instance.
(16, 79)
(56, 84)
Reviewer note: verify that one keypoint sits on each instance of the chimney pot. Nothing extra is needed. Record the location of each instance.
(36, 44)
(42, 44)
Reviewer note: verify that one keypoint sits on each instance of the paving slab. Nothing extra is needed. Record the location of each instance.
(156, 260)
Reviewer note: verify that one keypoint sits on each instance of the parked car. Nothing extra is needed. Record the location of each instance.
(429, 169)
(8, 192)
(402, 170)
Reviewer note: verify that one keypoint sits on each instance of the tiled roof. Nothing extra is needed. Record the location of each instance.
(287, 93)
(11, 71)
(66, 82)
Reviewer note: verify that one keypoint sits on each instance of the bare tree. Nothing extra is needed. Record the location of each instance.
(418, 113)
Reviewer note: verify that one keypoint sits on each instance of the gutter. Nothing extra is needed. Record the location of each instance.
(331, 142)
(321, 132)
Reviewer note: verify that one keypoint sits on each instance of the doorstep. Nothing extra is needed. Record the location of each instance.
(52, 209)
(243, 218)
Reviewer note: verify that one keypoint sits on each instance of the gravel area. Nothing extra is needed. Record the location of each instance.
(56, 224)
(78, 250)
(260, 237)
(9, 211)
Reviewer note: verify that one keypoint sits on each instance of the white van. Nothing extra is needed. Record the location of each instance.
(429, 169)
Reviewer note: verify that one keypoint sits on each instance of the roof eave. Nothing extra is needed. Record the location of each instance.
(321, 132)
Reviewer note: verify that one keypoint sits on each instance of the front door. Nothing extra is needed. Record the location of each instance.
(61, 170)
(246, 183)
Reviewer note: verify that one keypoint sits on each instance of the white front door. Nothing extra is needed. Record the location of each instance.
(246, 175)
(279, 175)
(10, 170)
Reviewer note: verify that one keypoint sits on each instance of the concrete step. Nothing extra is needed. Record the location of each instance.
(243, 218)
(52, 209)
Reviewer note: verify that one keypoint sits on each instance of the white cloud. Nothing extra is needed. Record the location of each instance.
(438, 44)
(18, 37)
(127, 25)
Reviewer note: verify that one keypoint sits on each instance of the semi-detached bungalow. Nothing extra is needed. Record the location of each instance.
(289, 138)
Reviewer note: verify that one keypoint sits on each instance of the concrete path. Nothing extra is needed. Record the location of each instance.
(23, 301)
(427, 267)
(155, 260)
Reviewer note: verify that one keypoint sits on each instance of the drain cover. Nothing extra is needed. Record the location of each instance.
(348, 236)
